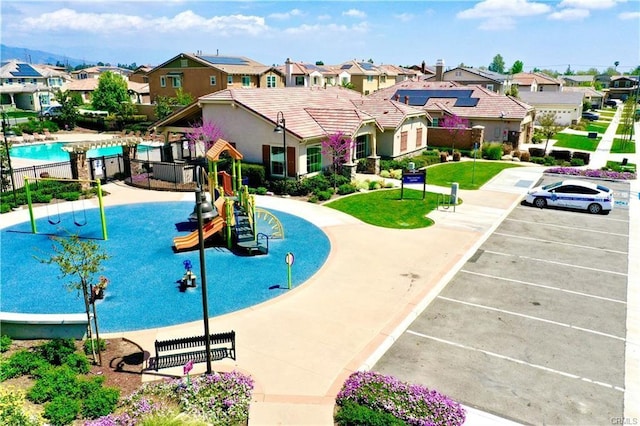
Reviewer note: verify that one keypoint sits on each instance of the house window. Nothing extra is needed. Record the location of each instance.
(330, 80)
(418, 137)
(490, 87)
(230, 80)
(316, 81)
(540, 88)
(369, 79)
(184, 63)
(177, 82)
(314, 159)
(362, 146)
(403, 141)
(366, 92)
(212, 80)
(383, 79)
(458, 73)
(271, 81)
(435, 122)
(246, 81)
(627, 84)
(163, 81)
(299, 80)
(277, 160)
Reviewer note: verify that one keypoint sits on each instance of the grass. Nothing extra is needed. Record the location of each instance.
(623, 129)
(623, 146)
(597, 127)
(384, 208)
(21, 114)
(567, 140)
(463, 172)
(617, 166)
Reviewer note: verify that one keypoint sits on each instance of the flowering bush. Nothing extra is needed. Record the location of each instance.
(607, 174)
(217, 399)
(414, 404)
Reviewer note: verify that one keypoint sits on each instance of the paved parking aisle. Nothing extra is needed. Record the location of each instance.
(532, 327)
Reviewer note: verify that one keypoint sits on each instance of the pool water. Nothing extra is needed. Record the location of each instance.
(144, 272)
(53, 151)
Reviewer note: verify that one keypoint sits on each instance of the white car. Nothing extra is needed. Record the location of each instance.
(575, 194)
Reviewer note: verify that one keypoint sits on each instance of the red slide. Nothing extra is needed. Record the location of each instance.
(191, 240)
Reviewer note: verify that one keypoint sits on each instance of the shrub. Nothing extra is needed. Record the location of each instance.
(315, 183)
(456, 156)
(537, 160)
(324, 195)
(507, 148)
(361, 165)
(492, 151)
(69, 196)
(443, 157)
(561, 154)
(525, 156)
(100, 402)
(12, 410)
(346, 188)
(584, 156)
(354, 414)
(5, 343)
(21, 363)
(404, 401)
(605, 174)
(536, 138)
(396, 174)
(261, 190)
(313, 199)
(5, 208)
(385, 174)
(78, 362)
(549, 161)
(97, 345)
(536, 152)
(62, 410)
(256, 174)
(57, 350)
(577, 162)
(375, 184)
(52, 382)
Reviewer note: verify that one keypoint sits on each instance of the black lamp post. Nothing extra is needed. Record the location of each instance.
(282, 128)
(6, 147)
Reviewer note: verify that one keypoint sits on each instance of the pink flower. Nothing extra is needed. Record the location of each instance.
(188, 367)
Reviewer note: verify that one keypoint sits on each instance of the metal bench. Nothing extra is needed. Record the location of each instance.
(177, 352)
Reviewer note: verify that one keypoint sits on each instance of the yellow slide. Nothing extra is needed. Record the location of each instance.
(191, 240)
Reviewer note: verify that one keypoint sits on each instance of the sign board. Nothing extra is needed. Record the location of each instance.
(414, 176)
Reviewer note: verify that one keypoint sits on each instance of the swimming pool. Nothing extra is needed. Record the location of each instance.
(143, 270)
(53, 151)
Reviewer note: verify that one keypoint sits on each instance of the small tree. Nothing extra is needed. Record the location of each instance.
(203, 135)
(455, 125)
(112, 91)
(497, 65)
(548, 127)
(69, 113)
(517, 67)
(164, 106)
(80, 260)
(338, 147)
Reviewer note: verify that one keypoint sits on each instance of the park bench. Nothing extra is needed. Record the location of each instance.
(177, 352)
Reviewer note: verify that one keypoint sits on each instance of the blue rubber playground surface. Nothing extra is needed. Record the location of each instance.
(144, 271)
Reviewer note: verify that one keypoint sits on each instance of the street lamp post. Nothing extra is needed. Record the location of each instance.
(8, 154)
(282, 128)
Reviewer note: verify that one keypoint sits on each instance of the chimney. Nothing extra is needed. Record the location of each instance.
(397, 97)
(423, 67)
(406, 99)
(439, 69)
(288, 69)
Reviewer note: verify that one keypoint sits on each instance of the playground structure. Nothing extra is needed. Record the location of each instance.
(233, 214)
(77, 221)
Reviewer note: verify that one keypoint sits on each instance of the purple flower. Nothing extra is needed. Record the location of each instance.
(188, 367)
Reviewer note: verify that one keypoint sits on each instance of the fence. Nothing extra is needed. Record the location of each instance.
(162, 176)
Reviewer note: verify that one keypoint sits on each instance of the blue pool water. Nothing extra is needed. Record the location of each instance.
(53, 151)
(144, 271)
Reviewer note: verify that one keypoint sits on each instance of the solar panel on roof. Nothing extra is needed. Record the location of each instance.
(421, 97)
(366, 66)
(345, 67)
(25, 70)
(224, 60)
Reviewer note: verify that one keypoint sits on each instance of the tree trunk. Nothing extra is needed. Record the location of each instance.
(87, 309)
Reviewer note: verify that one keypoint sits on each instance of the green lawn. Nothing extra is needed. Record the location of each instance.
(597, 127)
(385, 208)
(463, 172)
(623, 146)
(568, 140)
(621, 130)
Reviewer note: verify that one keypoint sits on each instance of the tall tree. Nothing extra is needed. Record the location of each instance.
(497, 65)
(517, 67)
(338, 147)
(455, 125)
(112, 90)
(80, 260)
(548, 127)
(69, 113)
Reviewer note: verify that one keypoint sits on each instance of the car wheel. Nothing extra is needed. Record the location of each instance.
(595, 208)
(540, 203)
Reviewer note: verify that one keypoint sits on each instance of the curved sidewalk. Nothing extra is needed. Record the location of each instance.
(300, 347)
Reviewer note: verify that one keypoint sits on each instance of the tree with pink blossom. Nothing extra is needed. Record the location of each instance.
(203, 135)
(338, 147)
(456, 126)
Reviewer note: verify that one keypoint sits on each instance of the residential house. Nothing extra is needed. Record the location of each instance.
(396, 74)
(139, 92)
(28, 86)
(622, 86)
(567, 106)
(139, 75)
(503, 118)
(536, 82)
(96, 71)
(577, 80)
(248, 117)
(591, 95)
(200, 74)
(299, 74)
(496, 82)
(366, 77)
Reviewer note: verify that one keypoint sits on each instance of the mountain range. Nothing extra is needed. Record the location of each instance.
(38, 56)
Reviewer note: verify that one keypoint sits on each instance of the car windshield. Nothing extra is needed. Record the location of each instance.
(551, 186)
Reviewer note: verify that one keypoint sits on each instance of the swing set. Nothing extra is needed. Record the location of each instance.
(79, 218)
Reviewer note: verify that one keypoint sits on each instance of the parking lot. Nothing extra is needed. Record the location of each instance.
(532, 327)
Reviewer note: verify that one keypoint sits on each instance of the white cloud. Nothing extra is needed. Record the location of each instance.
(287, 15)
(498, 23)
(361, 27)
(324, 17)
(404, 17)
(590, 4)
(496, 8)
(354, 13)
(629, 15)
(68, 19)
(570, 15)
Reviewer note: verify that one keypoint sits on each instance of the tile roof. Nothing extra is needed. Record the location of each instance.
(314, 112)
(17, 69)
(527, 78)
(588, 91)
(488, 105)
(560, 98)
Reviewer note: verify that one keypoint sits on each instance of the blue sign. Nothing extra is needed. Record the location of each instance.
(418, 177)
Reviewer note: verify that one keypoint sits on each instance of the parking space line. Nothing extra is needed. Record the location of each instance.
(547, 287)
(518, 361)
(558, 242)
(531, 317)
(535, 259)
(572, 228)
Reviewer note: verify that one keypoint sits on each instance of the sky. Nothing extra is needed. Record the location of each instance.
(554, 35)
